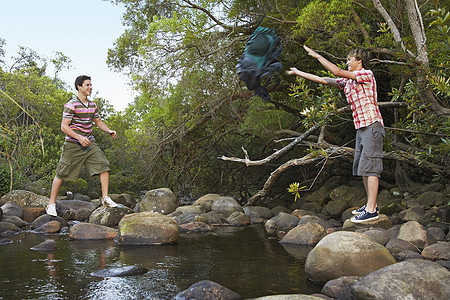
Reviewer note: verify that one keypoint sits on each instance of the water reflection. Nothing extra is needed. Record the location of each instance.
(243, 259)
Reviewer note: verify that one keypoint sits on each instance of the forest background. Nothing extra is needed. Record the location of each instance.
(193, 125)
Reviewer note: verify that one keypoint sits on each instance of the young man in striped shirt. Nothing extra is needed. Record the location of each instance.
(360, 90)
(79, 147)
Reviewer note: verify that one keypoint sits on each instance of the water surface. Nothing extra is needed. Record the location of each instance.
(243, 259)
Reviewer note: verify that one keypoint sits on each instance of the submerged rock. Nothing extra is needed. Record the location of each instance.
(120, 272)
(87, 231)
(207, 289)
(48, 245)
(195, 227)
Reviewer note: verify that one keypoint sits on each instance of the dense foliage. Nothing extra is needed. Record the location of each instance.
(180, 56)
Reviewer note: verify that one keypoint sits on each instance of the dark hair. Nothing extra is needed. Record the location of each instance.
(80, 79)
(360, 54)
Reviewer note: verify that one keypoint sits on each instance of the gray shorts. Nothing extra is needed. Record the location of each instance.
(74, 156)
(368, 159)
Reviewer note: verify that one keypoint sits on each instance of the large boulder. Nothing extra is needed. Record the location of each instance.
(7, 229)
(109, 216)
(25, 199)
(193, 209)
(206, 201)
(87, 231)
(414, 233)
(344, 253)
(78, 210)
(410, 279)
(124, 199)
(305, 234)
(438, 251)
(412, 214)
(283, 221)
(15, 220)
(147, 228)
(258, 212)
(238, 219)
(431, 198)
(378, 235)
(206, 289)
(353, 196)
(226, 206)
(335, 208)
(313, 219)
(12, 209)
(162, 201)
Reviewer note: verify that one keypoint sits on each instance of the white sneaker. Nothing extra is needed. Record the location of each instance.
(51, 210)
(107, 201)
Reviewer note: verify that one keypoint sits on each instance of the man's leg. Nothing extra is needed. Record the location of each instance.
(51, 207)
(56, 185)
(106, 200)
(104, 181)
(371, 186)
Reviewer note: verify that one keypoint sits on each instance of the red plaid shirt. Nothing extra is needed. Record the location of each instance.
(361, 94)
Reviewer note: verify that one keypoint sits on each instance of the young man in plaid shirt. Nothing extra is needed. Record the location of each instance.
(361, 92)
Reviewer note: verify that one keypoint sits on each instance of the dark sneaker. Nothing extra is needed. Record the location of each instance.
(365, 216)
(360, 210)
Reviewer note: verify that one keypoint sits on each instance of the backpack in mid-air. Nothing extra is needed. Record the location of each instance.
(260, 60)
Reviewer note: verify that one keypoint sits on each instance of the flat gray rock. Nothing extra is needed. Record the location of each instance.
(120, 272)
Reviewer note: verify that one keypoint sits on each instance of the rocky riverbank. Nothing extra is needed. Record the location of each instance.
(402, 255)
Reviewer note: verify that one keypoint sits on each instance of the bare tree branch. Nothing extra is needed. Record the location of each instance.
(306, 160)
(273, 156)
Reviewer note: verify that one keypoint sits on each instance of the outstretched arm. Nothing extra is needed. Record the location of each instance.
(329, 65)
(312, 77)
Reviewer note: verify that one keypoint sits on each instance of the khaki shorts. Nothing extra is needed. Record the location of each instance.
(74, 156)
(368, 159)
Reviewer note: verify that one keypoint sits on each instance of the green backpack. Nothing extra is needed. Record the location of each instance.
(260, 60)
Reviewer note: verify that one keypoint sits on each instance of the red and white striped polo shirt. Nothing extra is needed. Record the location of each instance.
(81, 116)
(361, 94)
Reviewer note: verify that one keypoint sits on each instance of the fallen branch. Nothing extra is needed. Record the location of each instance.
(306, 160)
(275, 155)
